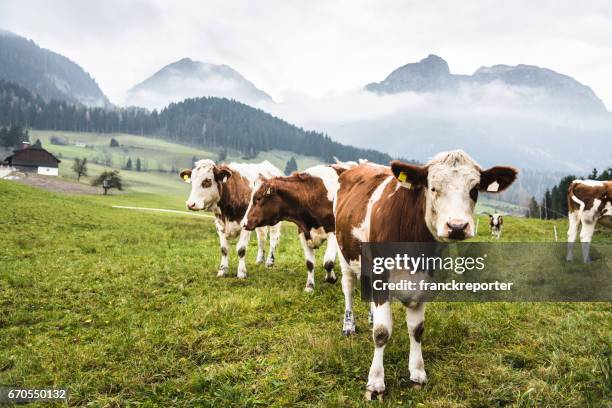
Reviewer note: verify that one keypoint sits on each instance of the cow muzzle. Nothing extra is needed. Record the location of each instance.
(457, 229)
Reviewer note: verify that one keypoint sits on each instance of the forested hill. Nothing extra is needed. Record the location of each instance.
(47, 73)
(207, 121)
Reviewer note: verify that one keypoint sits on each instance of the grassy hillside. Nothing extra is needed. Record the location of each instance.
(157, 153)
(124, 308)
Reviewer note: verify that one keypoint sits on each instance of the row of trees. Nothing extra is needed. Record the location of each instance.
(554, 202)
(207, 121)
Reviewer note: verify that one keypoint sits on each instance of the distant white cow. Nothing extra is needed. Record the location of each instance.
(589, 202)
(226, 191)
(496, 221)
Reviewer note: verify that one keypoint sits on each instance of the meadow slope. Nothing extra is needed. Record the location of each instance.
(124, 309)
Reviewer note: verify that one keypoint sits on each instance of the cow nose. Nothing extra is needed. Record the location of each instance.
(457, 226)
(191, 205)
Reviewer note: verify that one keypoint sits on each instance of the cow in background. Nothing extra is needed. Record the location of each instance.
(406, 203)
(226, 191)
(589, 202)
(496, 221)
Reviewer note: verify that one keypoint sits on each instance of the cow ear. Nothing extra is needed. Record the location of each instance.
(186, 175)
(497, 179)
(269, 190)
(409, 175)
(222, 173)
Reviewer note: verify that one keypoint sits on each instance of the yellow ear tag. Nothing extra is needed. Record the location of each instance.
(403, 177)
(186, 178)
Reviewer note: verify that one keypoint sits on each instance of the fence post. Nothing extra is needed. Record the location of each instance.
(555, 229)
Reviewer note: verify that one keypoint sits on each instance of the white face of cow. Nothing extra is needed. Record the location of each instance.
(452, 181)
(204, 189)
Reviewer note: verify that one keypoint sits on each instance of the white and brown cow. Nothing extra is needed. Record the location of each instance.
(306, 199)
(226, 191)
(406, 203)
(496, 222)
(589, 202)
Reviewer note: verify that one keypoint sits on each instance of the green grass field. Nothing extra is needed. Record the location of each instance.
(124, 309)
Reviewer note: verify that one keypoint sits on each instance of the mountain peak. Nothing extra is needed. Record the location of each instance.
(187, 78)
(430, 73)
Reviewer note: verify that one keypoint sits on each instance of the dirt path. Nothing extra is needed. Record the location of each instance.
(52, 183)
(125, 207)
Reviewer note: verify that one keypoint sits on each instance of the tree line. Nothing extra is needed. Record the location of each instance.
(553, 204)
(206, 121)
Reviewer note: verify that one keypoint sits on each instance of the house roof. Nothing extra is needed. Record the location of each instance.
(32, 156)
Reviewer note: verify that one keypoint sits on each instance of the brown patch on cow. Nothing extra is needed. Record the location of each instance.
(418, 332)
(381, 336)
(241, 252)
(329, 266)
(588, 194)
(309, 265)
(234, 191)
(299, 198)
(356, 186)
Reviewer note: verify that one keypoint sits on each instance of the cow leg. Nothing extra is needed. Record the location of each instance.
(329, 259)
(224, 267)
(586, 233)
(275, 232)
(261, 244)
(348, 326)
(310, 260)
(381, 333)
(574, 223)
(415, 319)
(243, 241)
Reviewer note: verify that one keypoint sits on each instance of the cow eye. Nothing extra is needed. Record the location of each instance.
(206, 183)
(474, 194)
(433, 189)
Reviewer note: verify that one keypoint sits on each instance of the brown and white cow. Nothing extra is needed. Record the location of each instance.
(589, 202)
(496, 222)
(226, 191)
(406, 203)
(306, 199)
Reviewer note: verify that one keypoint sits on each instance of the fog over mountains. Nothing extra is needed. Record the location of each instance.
(528, 116)
(47, 73)
(189, 79)
(432, 74)
(523, 115)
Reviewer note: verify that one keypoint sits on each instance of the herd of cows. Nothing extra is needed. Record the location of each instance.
(347, 203)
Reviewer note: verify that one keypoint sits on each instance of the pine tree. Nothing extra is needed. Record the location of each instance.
(128, 165)
(114, 143)
(291, 166)
(138, 164)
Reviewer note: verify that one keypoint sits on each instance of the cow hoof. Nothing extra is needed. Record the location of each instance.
(373, 395)
(348, 332)
(416, 385)
(309, 288)
(259, 261)
(331, 279)
(418, 378)
(269, 263)
(241, 275)
(221, 273)
(569, 259)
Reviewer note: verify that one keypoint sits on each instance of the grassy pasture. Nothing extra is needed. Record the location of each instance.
(124, 309)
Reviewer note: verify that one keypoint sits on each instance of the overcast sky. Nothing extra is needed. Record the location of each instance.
(288, 48)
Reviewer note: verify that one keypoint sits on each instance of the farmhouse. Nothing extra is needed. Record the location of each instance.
(33, 159)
